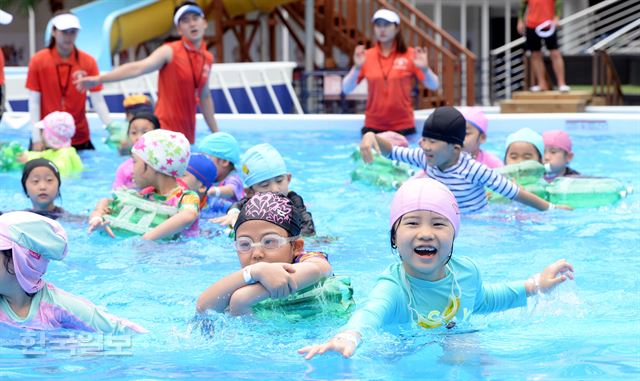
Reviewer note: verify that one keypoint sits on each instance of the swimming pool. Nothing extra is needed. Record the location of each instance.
(588, 329)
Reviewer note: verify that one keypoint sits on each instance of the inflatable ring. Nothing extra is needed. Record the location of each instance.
(9, 153)
(131, 214)
(586, 192)
(382, 172)
(332, 296)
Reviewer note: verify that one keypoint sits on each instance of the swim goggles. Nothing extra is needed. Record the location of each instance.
(268, 242)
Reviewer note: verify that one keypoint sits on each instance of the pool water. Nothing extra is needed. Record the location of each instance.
(587, 329)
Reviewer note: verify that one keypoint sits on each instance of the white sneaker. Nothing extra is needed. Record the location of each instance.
(564, 89)
(535, 89)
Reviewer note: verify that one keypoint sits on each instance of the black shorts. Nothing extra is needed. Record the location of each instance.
(533, 42)
(405, 132)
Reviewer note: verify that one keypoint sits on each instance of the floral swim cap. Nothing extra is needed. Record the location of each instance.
(165, 151)
(274, 208)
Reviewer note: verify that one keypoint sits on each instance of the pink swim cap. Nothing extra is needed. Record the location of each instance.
(425, 194)
(557, 139)
(476, 117)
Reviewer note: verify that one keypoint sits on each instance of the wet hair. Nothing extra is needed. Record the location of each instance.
(35, 163)
(52, 39)
(147, 116)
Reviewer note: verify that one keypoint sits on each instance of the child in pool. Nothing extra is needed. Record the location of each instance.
(429, 287)
(159, 158)
(27, 243)
(224, 150)
(524, 144)
(139, 124)
(271, 253)
(200, 175)
(440, 155)
(266, 171)
(57, 128)
(41, 183)
(558, 154)
(136, 103)
(476, 134)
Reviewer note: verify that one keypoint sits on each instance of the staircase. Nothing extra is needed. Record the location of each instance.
(607, 27)
(343, 24)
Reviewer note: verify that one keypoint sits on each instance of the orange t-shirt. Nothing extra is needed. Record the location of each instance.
(52, 76)
(180, 84)
(539, 11)
(389, 81)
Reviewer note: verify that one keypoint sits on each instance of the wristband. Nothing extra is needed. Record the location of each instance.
(552, 206)
(246, 275)
(348, 337)
(98, 218)
(216, 191)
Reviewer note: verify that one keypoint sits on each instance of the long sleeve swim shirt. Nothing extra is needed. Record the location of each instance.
(53, 308)
(456, 297)
(466, 179)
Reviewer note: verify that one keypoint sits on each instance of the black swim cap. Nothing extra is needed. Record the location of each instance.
(446, 124)
(274, 208)
(35, 163)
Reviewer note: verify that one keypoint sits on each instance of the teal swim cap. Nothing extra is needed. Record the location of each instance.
(529, 136)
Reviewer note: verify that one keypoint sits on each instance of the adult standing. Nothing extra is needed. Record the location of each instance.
(5, 18)
(183, 82)
(50, 82)
(390, 68)
(542, 20)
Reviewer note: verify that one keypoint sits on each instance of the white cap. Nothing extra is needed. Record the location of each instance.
(386, 14)
(66, 21)
(5, 18)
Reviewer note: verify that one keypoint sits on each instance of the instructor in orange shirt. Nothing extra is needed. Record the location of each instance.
(183, 82)
(50, 82)
(389, 67)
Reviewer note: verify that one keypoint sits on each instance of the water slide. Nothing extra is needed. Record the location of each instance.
(110, 26)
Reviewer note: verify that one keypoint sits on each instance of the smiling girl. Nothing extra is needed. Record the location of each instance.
(429, 287)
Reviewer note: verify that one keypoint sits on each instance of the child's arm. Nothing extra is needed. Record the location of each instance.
(549, 278)
(218, 295)
(173, 225)
(530, 199)
(378, 143)
(225, 191)
(96, 217)
(305, 274)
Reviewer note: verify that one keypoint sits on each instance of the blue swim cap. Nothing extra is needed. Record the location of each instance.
(221, 145)
(262, 162)
(529, 136)
(203, 169)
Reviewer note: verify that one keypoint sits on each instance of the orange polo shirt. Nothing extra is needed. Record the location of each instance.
(539, 11)
(52, 76)
(180, 84)
(389, 81)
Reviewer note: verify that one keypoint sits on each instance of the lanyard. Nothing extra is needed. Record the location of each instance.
(195, 78)
(385, 76)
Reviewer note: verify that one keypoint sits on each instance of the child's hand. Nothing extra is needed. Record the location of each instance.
(555, 274)
(22, 157)
(276, 278)
(228, 219)
(344, 343)
(99, 221)
(368, 142)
